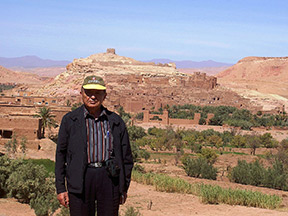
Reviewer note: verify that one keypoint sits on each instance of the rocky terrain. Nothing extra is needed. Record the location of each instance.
(261, 79)
(210, 71)
(9, 76)
(255, 83)
(41, 71)
(139, 85)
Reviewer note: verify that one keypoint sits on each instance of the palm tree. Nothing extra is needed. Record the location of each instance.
(47, 119)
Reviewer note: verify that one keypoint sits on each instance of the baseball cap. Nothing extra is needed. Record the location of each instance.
(94, 82)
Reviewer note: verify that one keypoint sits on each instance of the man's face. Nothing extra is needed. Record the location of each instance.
(93, 98)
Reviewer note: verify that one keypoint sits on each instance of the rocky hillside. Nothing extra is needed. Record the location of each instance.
(139, 85)
(42, 71)
(9, 76)
(272, 69)
(262, 79)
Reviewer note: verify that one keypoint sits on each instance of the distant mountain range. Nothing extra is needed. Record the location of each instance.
(191, 64)
(36, 62)
(30, 62)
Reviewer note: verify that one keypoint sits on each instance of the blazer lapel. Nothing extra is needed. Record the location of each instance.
(79, 120)
(82, 126)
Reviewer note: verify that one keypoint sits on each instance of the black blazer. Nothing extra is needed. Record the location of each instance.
(71, 151)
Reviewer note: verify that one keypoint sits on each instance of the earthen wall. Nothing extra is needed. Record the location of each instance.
(164, 119)
(28, 127)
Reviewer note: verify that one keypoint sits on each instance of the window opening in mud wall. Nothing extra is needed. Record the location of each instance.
(7, 134)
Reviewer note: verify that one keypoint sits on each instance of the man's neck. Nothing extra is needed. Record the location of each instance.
(94, 111)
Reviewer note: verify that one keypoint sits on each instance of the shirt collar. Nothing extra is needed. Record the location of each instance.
(87, 114)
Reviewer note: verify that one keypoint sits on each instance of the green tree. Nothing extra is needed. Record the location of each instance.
(138, 153)
(199, 168)
(253, 142)
(136, 132)
(209, 155)
(267, 140)
(282, 154)
(239, 141)
(215, 141)
(47, 119)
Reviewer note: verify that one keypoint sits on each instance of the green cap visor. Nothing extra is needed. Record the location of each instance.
(94, 86)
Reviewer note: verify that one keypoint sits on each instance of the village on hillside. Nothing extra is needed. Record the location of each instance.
(137, 87)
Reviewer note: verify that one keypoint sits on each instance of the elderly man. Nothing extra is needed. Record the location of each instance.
(93, 156)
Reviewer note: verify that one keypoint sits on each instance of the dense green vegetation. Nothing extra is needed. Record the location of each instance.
(226, 115)
(255, 174)
(49, 165)
(167, 139)
(199, 168)
(29, 183)
(205, 148)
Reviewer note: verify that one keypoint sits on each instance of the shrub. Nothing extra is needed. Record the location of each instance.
(282, 154)
(255, 174)
(239, 141)
(139, 116)
(245, 125)
(209, 154)
(276, 177)
(136, 132)
(139, 153)
(64, 212)
(25, 181)
(7, 167)
(131, 211)
(29, 184)
(45, 202)
(199, 168)
(47, 163)
(248, 174)
(267, 140)
(215, 140)
(138, 168)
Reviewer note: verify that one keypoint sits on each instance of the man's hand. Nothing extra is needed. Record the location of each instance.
(63, 198)
(123, 198)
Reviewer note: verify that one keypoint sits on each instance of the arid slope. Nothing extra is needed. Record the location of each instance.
(261, 79)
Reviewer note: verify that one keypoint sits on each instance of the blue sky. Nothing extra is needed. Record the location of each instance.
(198, 30)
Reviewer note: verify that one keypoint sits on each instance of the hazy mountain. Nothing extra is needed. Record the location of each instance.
(9, 76)
(267, 75)
(30, 62)
(191, 64)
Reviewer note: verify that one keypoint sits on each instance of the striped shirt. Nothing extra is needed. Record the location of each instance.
(99, 137)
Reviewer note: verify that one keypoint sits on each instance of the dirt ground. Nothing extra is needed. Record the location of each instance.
(163, 204)
(142, 196)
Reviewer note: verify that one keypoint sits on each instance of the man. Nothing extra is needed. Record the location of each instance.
(93, 156)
